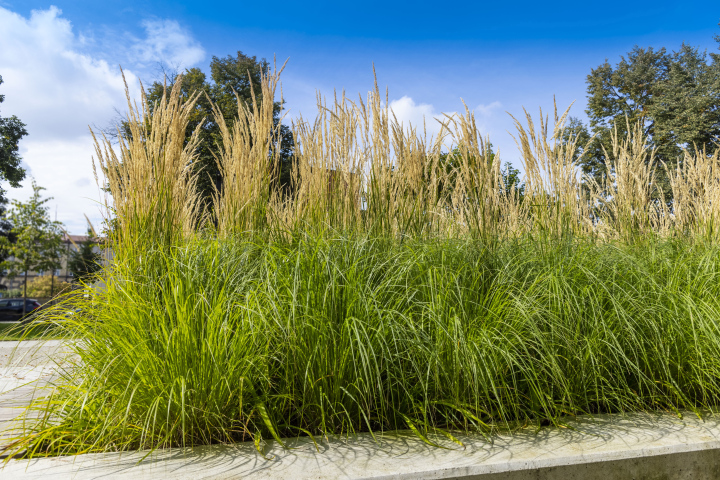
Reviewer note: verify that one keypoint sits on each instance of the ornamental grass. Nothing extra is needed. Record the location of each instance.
(392, 287)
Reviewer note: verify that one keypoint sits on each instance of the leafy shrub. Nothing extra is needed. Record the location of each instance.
(11, 293)
(46, 286)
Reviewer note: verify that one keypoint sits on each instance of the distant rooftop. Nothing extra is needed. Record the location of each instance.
(78, 238)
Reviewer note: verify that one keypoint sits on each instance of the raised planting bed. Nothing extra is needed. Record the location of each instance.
(605, 447)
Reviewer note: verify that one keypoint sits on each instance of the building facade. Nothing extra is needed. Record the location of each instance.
(70, 244)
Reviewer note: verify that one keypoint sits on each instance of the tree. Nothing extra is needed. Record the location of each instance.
(511, 179)
(38, 238)
(85, 261)
(7, 237)
(687, 107)
(450, 162)
(674, 96)
(11, 131)
(228, 75)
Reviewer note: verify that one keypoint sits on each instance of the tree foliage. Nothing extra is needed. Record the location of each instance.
(11, 131)
(85, 261)
(229, 76)
(674, 96)
(511, 178)
(38, 241)
(7, 236)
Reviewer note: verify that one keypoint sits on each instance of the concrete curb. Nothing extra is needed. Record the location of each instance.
(604, 447)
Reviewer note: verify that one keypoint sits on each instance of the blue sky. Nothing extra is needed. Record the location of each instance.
(496, 56)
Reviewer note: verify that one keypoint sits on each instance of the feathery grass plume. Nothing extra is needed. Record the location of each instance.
(151, 180)
(421, 206)
(245, 161)
(328, 168)
(695, 184)
(552, 185)
(480, 198)
(377, 145)
(358, 168)
(629, 200)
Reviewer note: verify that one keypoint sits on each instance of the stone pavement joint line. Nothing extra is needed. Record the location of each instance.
(637, 446)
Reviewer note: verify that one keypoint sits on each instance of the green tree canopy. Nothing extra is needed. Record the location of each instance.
(675, 96)
(450, 161)
(11, 131)
(7, 236)
(228, 75)
(85, 261)
(38, 237)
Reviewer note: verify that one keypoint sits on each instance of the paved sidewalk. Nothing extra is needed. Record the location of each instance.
(25, 367)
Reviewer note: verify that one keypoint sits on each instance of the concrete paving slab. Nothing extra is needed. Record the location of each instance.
(602, 448)
(33, 352)
(26, 367)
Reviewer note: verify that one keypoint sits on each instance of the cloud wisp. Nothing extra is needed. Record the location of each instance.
(169, 43)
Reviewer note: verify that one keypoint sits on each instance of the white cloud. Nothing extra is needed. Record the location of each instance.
(168, 42)
(487, 110)
(58, 89)
(410, 113)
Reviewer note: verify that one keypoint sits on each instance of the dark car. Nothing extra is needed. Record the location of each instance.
(12, 308)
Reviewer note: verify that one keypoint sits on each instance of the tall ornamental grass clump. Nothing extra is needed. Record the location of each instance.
(390, 288)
